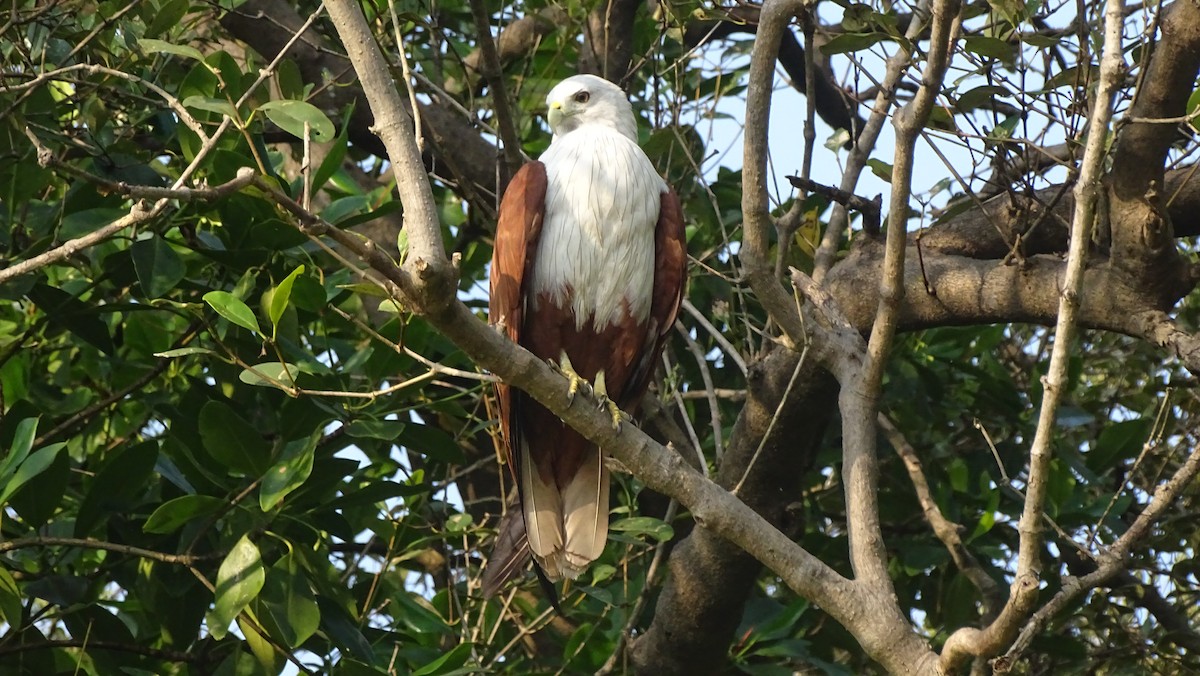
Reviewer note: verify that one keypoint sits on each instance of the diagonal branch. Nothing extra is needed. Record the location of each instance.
(946, 530)
(1023, 592)
(495, 79)
(427, 260)
(1111, 561)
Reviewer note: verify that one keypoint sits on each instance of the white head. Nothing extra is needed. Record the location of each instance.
(586, 99)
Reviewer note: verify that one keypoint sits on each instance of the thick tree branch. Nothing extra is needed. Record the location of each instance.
(759, 270)
(608, 39)
(1141, 148)
(860, 463)
(1142, 239)
(429, 277)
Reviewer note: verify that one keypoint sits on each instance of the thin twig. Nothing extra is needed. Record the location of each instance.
(946, 530)
(90, 543)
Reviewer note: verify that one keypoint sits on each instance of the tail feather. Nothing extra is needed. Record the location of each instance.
(585, 516)
(543, 508)
(509, 554)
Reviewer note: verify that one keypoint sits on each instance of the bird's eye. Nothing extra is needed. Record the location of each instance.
(582, 97)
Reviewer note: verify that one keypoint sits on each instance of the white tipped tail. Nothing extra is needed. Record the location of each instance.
(567, 529)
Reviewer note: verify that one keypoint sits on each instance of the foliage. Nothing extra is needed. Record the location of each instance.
(229, 450)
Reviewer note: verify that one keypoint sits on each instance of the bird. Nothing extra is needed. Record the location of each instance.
(588, 272)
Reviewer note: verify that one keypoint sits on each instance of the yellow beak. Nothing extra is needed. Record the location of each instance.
(555, 114)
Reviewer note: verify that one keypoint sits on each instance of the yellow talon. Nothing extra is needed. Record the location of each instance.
(574, 381)
(604, 402)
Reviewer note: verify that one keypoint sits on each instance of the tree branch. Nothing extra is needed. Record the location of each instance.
(966, 642)
(427, 274)
(89, 543)
(859, 465)
(946, 530)
(1111, 561)
(1142, 240)
(505, 121)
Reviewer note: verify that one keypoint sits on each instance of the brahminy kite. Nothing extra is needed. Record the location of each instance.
(588, 273)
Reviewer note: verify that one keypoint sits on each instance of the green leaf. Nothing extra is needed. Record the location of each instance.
(184, 352)
(287, 605)
(42, 496)
(980, 97)
(431, 442)
(881, 169)
(990, 47)
(10, 599)
(645, 525)
(239, 580)
(343, 629)
(157, 265)
(232, 308)
(231, 440)
(290, 472)
(212, 105)
(386, 430)
(459, 523)
(959, 475)
(150, 45)
(34, 465)
(19, 450)
(173, 514)
(1074, 76)
(166, 18)
(1193, 103)
(273, 374)
(72, 314)
(291, 116)
(261, 646)
(281, 296)
(119, 485)
(602, 572)
(384, 209)
(448, 662)
(1119, 441)
(333, 158)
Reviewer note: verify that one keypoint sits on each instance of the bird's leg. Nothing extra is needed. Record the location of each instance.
(602, 399)
(574, 380)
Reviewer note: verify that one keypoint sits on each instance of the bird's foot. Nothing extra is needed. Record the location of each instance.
(575, 382)
(618, 416)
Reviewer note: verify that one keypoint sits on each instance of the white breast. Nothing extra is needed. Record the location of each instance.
(602, 202)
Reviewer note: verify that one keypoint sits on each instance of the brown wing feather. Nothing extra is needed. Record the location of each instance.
(670, 276)
(517, 233)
